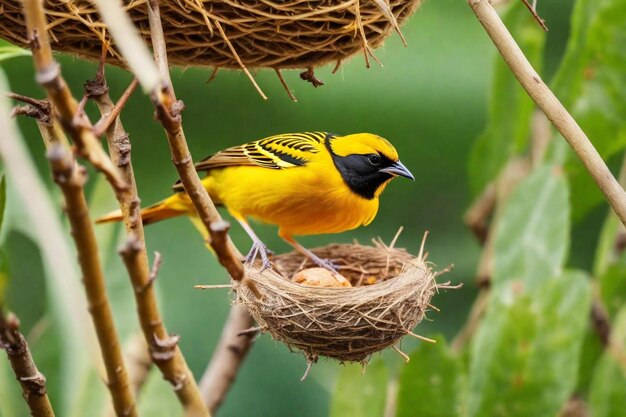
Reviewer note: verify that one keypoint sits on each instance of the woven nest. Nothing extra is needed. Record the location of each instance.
(228, 33)
(390, 295)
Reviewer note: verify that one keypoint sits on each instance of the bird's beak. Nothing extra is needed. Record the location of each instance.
(398, 169)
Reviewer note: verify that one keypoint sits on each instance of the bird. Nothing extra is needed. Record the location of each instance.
(306, 183)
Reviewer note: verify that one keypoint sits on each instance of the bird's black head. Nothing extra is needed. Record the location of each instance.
(366, 162)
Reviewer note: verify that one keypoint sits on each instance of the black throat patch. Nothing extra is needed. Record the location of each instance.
(363, 178)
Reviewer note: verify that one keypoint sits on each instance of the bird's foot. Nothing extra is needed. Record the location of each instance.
(259, 248)
(323, 263)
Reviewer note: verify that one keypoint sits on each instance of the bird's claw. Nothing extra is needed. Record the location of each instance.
(325, 263)
(259, 248)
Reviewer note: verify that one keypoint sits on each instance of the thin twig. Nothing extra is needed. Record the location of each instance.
(227, 358)
(285, 86)
(48, 75)
(213, 287)
(533, 11)
(600, 320)
(168, 112)
(139, 362)
(420, 337)
(107, 119)
(70, 177)
(41, 111)
(550, 105)
(166, 356)
(33, 382)
(401, 353)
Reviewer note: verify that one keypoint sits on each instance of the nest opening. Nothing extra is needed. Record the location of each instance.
(391, 293)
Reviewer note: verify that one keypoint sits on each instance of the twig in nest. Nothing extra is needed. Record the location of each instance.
(404, 355)
(213, 75)
(285, 86)
(533, 11)
(307, 370)
(33, 383)
(417, 336)
(252, 331)
(213, 287)
(309, 76)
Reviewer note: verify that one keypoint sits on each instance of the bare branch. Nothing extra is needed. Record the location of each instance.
(167, 357)
(48, 74)
(70, 177)
(137, 355)
(32, 381)
(550, 105)
(227, 358)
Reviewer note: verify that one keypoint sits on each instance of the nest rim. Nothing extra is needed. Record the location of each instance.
(367, 319)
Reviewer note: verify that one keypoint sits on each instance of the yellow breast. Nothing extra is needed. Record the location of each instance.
(306, 200)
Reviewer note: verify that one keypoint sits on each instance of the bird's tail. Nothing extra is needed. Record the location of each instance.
(170, 207)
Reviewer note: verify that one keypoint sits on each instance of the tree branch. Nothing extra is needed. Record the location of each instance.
(49, 76)
(168, 111)
(139, 363)
(70, 177)
(163, 348)
(550, 105)
(228, 357)
(32, 381)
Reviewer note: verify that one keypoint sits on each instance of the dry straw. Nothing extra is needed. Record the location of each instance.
(347, 324)
(235, 34)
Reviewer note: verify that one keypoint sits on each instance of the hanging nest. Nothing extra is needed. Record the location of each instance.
(391, 293)
(227, 33)
(236, 34)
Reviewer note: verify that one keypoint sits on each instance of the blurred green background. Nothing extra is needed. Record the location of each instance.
(429, 100)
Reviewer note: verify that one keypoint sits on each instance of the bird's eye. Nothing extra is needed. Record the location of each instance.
(375, 159)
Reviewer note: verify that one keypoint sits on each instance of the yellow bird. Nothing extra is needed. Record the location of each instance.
(305, 183)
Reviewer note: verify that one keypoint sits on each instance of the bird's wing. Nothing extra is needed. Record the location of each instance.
(275, 152)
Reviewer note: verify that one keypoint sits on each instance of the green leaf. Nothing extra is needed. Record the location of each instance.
(591, 82)
(510, 108)
(532, 236)
(11, 51)
(524, 359)
(607, 396)
(431, 383)
(613, 286)
(590, 353)
(360, 394)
